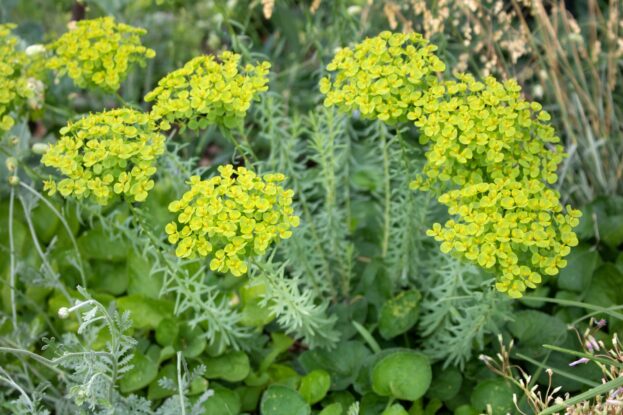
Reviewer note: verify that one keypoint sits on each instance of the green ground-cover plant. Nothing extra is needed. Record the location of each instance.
(229, 245)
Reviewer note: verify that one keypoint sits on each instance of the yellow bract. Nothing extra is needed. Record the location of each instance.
(98, 53)
(232, 217)
(490, 155)
(106, 154)
(207, 92)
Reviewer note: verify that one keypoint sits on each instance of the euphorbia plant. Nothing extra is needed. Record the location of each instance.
(490, 155)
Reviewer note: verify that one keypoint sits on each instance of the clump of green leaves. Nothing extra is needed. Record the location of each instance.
(98, 53)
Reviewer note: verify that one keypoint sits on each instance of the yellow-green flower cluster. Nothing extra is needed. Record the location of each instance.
(98, 53)
(208, 92)
(382, 76)
(490, 154)
(482, 131)
(232, 217)
(14, 87)
(517, 229)
(106, 154)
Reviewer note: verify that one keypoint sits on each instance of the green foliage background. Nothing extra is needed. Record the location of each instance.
(357, 313)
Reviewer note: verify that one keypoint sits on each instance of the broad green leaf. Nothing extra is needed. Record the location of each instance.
(143, 372)
(446, 384)
(611, 230)
(256, 315)
(332, 409)
(284, 375)
(109, 277)
(281, 400)
(465, 410)
(155, 391)
(223, 402)
(46, 223)
(343, 363)
(96, 243)
(534, 328)
(232, 367)
(145, 312)
(402, 375)
(249, 397)
(141, 280)
(399, 314)
(576, 276)
(315, 385)
(605, 289)
(167, 331)
(494, 392)
(190, 341)
(395, 409)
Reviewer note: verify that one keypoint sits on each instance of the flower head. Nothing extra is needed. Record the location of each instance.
(382, 76)
(14, 86)
(517, 229)
(208, 92)
(98, 53)
(232, 217)
(106, 154)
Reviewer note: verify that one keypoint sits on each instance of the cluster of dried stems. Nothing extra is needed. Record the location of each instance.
(548, 401)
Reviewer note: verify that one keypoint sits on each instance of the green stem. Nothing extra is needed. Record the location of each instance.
(65, 225)
(227, 134)
(576, 304)
(609, 362)
(367, 337)
(557, 371)
(180, 386)
(387, 194)
(12, 272)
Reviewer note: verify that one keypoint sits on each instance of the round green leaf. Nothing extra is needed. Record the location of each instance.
(315, 385)
(446, 384)
(156, 391)
(109, 277)
(223, 402)
(145, 312)
(581, 264)
(281, 400)
(403, 375)
(534, 328)
(334, 409)
(96, 243)
(395, 409)
(399, 314)
(143, 372)
(191, 342)
(494, 392)
(232, 367)
(465, 410)
(167, 331)
(343, 363)
(46, 223)
(141, 280)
